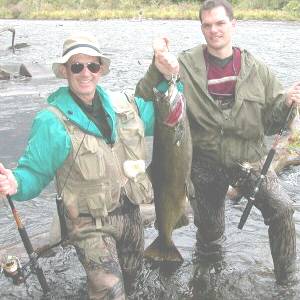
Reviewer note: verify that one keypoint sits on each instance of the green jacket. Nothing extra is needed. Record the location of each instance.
(259, 108)
(49, 143)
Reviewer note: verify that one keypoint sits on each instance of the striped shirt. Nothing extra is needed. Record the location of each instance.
(221, 77)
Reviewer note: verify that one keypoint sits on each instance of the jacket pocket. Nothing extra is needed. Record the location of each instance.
(90, 160)
(131, 135)
(140, 189)
(249, 124)
(100, 203)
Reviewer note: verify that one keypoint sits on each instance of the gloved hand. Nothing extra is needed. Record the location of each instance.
(8, 183)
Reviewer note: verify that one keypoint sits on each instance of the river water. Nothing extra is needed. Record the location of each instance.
(249, 269)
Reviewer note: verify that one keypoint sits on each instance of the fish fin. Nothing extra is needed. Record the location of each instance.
(159, 251)
(183, 221)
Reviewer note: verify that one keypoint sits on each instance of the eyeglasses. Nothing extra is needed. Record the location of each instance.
(78, 67)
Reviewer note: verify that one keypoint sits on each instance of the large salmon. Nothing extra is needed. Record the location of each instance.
(170, 171)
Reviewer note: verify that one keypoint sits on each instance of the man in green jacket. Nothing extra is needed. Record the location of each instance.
(233, 101)
(92, 141)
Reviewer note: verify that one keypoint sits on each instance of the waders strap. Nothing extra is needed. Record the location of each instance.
(98, 222)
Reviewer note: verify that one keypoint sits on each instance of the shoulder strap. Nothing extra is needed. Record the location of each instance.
(57, 112)
(131, 100)
(60, 115)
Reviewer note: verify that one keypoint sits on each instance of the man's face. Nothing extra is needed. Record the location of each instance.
(82, 83)
(217, 29)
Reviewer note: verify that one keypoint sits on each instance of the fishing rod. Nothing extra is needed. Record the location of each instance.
(265, 168)
(35, 268)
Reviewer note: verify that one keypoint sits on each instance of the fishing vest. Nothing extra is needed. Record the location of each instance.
(95, 173)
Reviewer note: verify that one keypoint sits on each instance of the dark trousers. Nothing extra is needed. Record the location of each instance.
(211, 182)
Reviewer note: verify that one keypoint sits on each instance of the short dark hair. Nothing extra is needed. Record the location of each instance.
(210, 4)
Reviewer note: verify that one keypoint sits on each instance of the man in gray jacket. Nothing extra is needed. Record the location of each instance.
(233, 101)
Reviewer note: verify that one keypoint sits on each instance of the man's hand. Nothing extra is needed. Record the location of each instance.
(165, 61)
(293, 95)
(8, 183)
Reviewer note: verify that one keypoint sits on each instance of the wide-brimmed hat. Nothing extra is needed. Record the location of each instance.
(80, 43)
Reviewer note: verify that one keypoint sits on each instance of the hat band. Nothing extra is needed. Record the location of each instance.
(80, 45)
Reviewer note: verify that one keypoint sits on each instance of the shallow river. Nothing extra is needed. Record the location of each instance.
(249, 269)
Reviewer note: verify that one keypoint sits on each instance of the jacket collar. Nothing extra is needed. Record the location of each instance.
(194, 64)
(194, 58)
(66, 104)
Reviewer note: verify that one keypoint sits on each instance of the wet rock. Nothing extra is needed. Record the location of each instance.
(30, 70)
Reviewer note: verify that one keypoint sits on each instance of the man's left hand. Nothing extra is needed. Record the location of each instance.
(165, 61)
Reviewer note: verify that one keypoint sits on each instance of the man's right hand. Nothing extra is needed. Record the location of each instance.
(165, 61)
(8, 183)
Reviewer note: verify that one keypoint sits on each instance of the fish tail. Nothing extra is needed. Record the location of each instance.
(159, 251)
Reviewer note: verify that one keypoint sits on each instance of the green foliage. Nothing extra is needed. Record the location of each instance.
(259, 4)
(157, 9)
(9, 2)
(58, 4)
(83, 4)
(293, 6)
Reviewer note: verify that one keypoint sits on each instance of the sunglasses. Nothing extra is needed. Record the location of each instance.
(78, 67)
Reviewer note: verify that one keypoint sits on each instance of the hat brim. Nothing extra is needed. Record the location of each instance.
(105, 61)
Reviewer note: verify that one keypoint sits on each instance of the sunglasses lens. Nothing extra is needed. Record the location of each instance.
(93, 67)
(77, 68)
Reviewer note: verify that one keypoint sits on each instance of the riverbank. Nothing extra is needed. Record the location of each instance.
(182, 11)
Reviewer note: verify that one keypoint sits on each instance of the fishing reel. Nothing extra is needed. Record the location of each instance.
(243, 173)
(12, 268)
(245, 169)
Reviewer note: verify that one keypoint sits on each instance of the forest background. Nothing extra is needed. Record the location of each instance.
(143, 9)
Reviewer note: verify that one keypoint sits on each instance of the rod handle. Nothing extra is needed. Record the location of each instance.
(29, 249)
(245, 214)
(42, 279)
